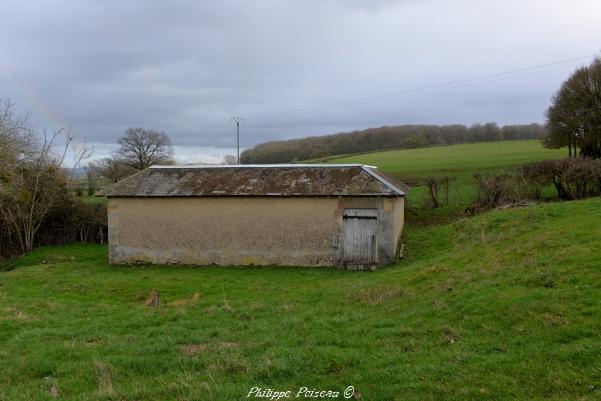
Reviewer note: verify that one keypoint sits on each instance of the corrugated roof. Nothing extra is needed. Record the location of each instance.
(259, 180)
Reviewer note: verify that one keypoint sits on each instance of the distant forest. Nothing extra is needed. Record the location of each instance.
(394, 137)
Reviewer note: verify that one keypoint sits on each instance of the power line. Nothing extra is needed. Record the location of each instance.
(408, 92)
(441, 85)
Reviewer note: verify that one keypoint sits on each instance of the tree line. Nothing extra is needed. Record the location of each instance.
(390, 137)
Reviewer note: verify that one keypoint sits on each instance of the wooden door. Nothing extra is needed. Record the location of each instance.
(360, 236)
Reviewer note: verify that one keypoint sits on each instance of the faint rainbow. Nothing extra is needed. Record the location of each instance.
(38, 106)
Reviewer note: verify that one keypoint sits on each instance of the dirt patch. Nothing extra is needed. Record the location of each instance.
(105, 382)
(376, 295)
(53, 386)
(195, 349)
(153, 299)
(94, 342)
(187, 301)
(13, 313)
(449, 336)
(287, 307)
(550, 319)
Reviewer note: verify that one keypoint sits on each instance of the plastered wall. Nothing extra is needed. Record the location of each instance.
(242, 230)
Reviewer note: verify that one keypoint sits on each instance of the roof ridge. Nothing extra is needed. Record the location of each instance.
(258, 180)
(383, 180)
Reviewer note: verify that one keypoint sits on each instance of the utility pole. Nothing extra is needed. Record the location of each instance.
(238, 120)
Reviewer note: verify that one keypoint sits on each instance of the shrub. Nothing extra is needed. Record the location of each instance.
(74, 222)
(574, 178)
(493, 190)
(435, 185)
(68, 222)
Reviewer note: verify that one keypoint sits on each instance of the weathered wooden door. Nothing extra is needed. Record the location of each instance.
(360, 229)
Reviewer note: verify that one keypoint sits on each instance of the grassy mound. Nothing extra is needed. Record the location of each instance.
(503, 305)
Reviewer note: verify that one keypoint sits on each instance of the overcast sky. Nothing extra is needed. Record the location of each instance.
(186, 67)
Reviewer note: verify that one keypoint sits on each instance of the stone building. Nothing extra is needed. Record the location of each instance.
(295, 214)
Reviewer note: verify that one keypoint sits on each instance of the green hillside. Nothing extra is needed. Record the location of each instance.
(506, 305)
(454, 160)
(459, 163)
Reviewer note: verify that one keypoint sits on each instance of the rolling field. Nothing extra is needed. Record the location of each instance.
(505, 305)
(461, 161)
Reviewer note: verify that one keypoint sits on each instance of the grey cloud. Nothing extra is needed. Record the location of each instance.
(187, 66)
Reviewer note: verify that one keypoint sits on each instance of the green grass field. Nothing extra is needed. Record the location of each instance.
(505, 305)
(461, 161)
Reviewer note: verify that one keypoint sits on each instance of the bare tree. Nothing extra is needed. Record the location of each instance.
(141, 148)
(110, 168)
(16, 135)
(33, 186)
(230, 160)
(435, 185)
(81, 152)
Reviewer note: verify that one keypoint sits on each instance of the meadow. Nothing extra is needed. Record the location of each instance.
(457, 162)
(503, 305)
